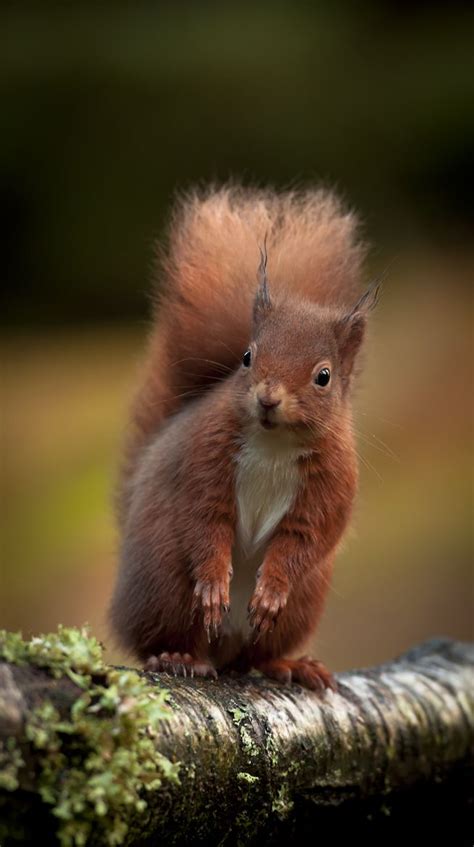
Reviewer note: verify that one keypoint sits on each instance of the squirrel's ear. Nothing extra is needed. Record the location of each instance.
(262, 303)
(351, 328)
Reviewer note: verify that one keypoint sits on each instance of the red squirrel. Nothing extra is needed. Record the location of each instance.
(240, 469)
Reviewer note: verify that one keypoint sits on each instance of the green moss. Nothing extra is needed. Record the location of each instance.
(94, 766)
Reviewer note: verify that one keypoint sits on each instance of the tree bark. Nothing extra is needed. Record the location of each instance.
(264, 761)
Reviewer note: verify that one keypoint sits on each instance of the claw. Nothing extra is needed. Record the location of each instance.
(264, 610)
(211, 600)
(180, 665)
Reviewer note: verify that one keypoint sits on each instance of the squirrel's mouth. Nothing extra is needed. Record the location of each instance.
(267, 423)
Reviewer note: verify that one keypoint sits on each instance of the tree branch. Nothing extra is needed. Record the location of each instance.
(259, 759)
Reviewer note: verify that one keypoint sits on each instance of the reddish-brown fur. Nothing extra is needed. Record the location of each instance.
(198, 406)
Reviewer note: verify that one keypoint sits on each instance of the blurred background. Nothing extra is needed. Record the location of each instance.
(107, 110)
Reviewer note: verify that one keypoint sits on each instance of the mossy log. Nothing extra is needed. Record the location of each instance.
(263, 762)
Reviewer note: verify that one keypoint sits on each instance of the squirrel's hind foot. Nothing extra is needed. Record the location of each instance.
(308, 672)
(180, 664)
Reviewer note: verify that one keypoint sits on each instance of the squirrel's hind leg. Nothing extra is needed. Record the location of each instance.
(180, 664)
(308, 672)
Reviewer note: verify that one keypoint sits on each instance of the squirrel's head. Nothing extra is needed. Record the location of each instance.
(298, 369)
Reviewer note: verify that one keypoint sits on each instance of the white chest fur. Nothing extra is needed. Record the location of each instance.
(267, 479)
(266, 485)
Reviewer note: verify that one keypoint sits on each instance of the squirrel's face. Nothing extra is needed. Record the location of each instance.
(297, 371)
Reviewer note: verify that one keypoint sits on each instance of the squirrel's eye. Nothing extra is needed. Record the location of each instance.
(323, 377)
(247, 358)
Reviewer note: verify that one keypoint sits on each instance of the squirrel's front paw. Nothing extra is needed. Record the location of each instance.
(269, 599)
(211, 599)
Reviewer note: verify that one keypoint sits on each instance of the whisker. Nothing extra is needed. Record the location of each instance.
(383, 444)
(209, 361)
(384, 448)
(198, 391)
(193, 393)
(232, 352)
(368, 465)
(363, 459)
(378, 418)
(205, 377)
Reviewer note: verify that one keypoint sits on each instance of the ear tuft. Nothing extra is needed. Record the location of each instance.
(369, 299)
(262, 303)
(351, 329)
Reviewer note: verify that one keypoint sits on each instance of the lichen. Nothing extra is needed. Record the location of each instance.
(272, 750)
(238, 713)
(239, 716)
(94, 765)
(282, 804)
(243, 776)
(248, 743)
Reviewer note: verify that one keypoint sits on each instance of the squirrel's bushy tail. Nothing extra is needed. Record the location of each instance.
(207, 282)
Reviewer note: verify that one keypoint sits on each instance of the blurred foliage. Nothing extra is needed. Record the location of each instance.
(107, 109)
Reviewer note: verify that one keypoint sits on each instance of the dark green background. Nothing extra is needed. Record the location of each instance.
(108, 108)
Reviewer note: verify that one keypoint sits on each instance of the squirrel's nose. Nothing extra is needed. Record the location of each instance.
(268, 403)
